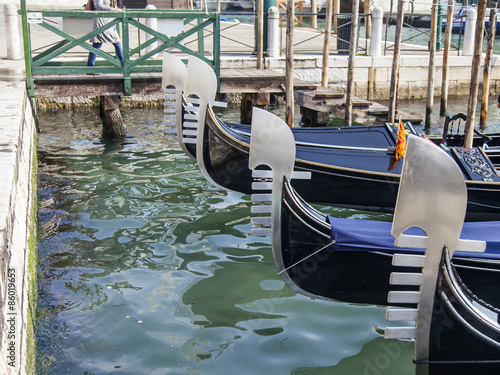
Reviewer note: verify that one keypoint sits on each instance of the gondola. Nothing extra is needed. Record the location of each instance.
(201, 79)
(347, 170)
(464, 335)
(442, 270)
(340, 259)
(455, 320)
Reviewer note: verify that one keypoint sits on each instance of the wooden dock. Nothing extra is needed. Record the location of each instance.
(317, 103)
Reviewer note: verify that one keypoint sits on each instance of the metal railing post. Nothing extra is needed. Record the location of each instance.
(201, 40)
(216, 52)
(28, 59)
(127, 81)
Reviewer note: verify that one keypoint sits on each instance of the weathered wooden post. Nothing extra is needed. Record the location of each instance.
(113, 125)
(326, 44)
(260, 34)
(487, 67)
(368, 21)
(395, 63)
(432, 67)
(353, 48)
(474, 80)
(336, 11)
(290, 18)
(12, 32)
(446, 52)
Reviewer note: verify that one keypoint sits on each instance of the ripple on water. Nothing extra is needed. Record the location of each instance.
(145, 268)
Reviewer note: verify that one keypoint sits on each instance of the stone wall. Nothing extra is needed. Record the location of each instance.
(18, 208)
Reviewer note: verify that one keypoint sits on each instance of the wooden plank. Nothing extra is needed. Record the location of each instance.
(299, 84)
(325, 93)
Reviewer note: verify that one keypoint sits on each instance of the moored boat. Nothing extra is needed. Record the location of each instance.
(341, 259)
(349, 167)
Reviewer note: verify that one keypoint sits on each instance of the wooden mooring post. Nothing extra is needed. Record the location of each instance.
(326, 44)
(487, 67)
(393, 91)
(353, 47)
(260, 34)
(113, 126)
(474, 80)
(432, 66)
(446, 52)
(290, 20)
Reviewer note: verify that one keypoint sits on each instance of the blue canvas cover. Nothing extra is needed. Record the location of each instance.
(368, 235)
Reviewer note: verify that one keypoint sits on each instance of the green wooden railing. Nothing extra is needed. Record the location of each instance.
(137, 58)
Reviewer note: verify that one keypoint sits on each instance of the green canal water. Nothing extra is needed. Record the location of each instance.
(145, 268)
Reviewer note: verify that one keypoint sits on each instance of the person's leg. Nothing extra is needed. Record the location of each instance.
(92, 56)
(118, 50)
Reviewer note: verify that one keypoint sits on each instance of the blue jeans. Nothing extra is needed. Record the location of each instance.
(92, 56)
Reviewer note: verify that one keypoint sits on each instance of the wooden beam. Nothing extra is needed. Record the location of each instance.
(487, 67)
(446, 52)
(353, 50)
(326, 44)
(432, 66)
(290, 20)
(474, 81)
(260, 34)
(395, 63)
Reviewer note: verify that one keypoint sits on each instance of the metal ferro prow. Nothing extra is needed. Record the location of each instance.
(433, 197)
(173, 74)
(273, 145)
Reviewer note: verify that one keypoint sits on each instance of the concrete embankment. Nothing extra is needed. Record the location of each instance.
(18, 265)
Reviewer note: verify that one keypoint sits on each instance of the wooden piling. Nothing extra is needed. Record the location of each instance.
(487, 67)
(326, 44)
(251, 100)
(113, 125)
(260, 34)
(395, 63)
(336, 11)
(368, 20)
(474, 81)
(290, 17)
(446, 52)
(432, 66)
(353, 47)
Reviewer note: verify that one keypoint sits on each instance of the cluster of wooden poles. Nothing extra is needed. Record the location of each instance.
(481, 13)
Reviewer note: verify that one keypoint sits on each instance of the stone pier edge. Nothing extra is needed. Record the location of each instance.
(18, 240)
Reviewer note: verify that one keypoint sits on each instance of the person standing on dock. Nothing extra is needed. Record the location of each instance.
(108, 36)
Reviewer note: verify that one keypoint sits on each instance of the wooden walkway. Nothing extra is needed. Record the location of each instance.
(317, 102)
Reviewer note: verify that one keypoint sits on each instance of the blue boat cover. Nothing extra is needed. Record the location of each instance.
(369, 235)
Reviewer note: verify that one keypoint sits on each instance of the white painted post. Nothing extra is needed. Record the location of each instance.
(273, 32)
(153, 24)
(376, 37)
(12, 32)
(470, 32)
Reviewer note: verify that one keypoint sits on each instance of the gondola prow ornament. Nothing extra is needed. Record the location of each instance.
(433, 199)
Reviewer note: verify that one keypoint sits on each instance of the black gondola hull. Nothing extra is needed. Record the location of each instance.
(336, 175)
(318, 267)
